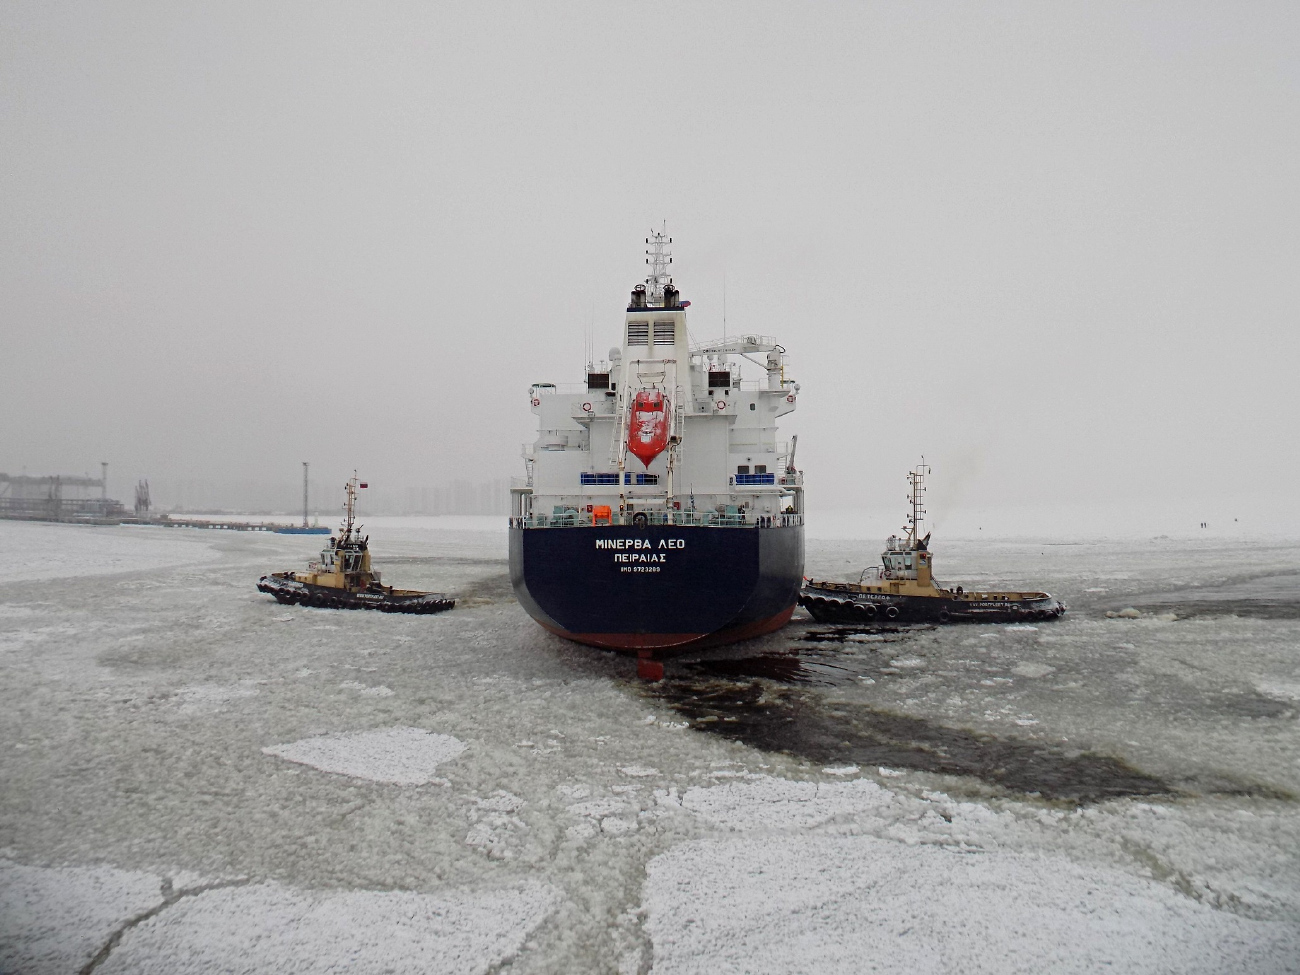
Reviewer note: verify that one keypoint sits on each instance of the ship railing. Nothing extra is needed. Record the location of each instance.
(701, 519)
(564, 389)
(736, 344)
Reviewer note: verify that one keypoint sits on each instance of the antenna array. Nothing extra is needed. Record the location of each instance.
(658, 259)
(916, 482)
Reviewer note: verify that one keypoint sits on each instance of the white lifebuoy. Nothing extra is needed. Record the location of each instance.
(790, 398)
(586, 407)
(722, 404)
(537, 401)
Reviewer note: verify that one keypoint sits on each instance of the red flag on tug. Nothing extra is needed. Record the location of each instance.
(647, 435)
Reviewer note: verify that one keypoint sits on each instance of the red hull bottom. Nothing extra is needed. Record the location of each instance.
(649, 645)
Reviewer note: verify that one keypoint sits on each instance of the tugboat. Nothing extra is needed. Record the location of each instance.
(660, 513)
(903, 588)
(343, 579)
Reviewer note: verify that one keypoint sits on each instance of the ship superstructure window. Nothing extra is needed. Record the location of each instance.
(665, 333)
(719, 380)
(742, 469)
(598, 380)
(590, 477)
(760, 468)
(638, 333)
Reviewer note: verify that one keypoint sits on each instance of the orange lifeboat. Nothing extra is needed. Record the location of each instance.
(647, 435)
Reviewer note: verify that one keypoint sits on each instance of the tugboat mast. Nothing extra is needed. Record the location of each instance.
(916, 482)
(351, 489)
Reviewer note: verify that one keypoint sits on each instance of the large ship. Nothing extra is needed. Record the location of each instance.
(660, 513)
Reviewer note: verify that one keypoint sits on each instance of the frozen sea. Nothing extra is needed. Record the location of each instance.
(197, 779)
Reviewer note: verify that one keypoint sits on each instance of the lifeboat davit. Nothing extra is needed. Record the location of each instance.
(647, 435)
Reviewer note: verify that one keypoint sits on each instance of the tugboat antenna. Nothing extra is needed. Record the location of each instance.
(916, 479)
(304, 494)
(351, 490)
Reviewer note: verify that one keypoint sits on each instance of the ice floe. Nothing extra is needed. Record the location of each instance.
(640, 771)
(269, 928)
(401, 756)
(55, 919)
(1279, 689)
(770, 803)
(496, 829)
(365, 691)
(1032, 668)
(836, 904)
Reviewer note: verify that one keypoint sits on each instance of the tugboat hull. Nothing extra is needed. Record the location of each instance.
(291, 592)
(659, 590)
(835, 603)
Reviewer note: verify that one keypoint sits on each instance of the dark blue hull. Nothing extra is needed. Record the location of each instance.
(659, 589)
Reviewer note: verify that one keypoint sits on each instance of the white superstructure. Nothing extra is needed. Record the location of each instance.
(722, 464)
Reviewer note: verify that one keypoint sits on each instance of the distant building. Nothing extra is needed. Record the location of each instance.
(59, 497)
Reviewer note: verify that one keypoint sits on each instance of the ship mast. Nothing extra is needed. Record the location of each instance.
(656, 282)
(916, 482)
(658, 259)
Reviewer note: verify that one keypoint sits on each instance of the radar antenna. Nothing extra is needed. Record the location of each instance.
(658, 259)
(916, 482)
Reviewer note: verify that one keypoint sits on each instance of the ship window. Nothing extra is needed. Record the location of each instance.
(752, 406)
(760, 468)
(665, 333)
(638, 333)
(742, 469)
(598, 380)
(719, 379)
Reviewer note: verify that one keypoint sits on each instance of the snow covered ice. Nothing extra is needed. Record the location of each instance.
(195, 775)
(403, 756)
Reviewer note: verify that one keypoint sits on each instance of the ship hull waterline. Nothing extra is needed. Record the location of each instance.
(661, 590)
(293, 593)
(837, 606)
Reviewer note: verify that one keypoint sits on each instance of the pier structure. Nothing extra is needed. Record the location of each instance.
(59, 497)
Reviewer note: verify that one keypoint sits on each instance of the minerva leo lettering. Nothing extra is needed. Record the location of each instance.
(639, 543)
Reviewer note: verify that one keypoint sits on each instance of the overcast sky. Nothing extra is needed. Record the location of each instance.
(1052, 246)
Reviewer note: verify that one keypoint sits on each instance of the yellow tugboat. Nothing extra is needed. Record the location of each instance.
(343, 579)
(903, 588)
